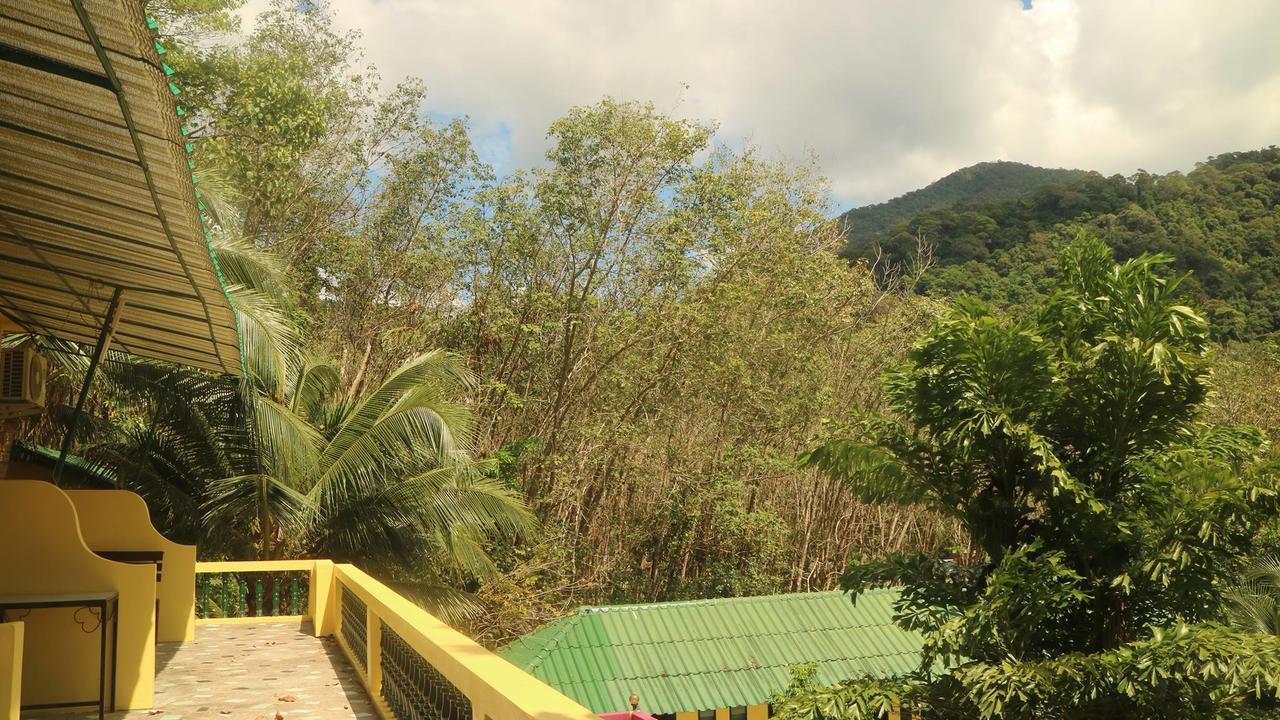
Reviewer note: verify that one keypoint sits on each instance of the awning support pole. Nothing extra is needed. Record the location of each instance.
(99, 350)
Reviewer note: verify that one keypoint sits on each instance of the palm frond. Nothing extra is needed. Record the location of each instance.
(315, 385)
(249, 266)
(238, 500)
(288, 445)
(1264, 573)
(406, 421)
(446, 602)
(1254, 608)
(219, 196)
(272, 346)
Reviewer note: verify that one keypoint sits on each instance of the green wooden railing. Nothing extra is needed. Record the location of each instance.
(252, 593)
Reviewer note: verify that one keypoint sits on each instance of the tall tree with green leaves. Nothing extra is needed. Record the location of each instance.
(1107, 513)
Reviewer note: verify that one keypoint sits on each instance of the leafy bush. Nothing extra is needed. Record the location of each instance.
(1107, 512)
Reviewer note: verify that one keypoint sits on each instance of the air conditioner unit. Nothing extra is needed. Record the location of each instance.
(23, 373)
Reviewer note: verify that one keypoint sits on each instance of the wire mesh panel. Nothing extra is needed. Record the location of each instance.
(413, 688)
(354, 628)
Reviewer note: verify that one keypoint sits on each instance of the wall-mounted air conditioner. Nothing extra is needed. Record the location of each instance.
(23, 374)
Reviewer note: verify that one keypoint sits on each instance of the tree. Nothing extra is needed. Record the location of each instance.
(287, 461)
(1107, 513)
(661, 324)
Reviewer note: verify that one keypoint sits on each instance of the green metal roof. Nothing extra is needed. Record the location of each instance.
(77, 467)
(705, 654)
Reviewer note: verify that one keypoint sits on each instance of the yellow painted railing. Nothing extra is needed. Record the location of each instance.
(412, 664)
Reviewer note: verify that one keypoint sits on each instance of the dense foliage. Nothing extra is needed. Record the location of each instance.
(657, 325)
(1107, 513)
(625, 347)
(1221, 222)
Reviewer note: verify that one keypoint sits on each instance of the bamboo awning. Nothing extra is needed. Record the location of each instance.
(96, 190)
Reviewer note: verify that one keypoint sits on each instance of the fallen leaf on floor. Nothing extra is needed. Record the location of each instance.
(155, 712)
(279, 715)
(287, 698)
(224, 712)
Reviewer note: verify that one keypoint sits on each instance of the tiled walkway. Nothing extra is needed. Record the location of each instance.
(252, 671)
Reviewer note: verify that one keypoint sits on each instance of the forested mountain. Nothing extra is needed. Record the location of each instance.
(984, 182)
(1220, 222)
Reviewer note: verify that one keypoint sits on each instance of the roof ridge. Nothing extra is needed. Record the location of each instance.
(758, 667)
(744, 599)
(800, 631)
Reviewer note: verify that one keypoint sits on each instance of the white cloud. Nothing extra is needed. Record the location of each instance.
(889, 95)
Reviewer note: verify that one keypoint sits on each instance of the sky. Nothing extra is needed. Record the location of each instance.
(888, 95)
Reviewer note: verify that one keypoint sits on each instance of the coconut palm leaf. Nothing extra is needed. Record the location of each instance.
(288, 446)
(406, 421)
(270, 343)
(459, 496)
(315, 386)
(1265, 573)
(244, 264)
(243, 499)
(1253, 608)
(219, 197)
(446, 602)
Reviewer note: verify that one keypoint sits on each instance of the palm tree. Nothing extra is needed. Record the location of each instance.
(1254, 605)
(282, 463)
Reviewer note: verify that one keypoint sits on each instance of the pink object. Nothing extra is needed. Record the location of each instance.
(628, 715)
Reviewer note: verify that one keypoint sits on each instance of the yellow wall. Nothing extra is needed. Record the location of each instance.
(497, 689)
(43, 552)
(757, 712)
(323, 602)
(10, 669)
(119, 520)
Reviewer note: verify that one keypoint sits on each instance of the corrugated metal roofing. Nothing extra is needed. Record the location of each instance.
(705, 654)
(76, 467)
(96, 188)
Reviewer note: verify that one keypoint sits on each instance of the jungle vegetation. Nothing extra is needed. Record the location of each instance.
(591, 381)
(1107, 512)
(1218, 222)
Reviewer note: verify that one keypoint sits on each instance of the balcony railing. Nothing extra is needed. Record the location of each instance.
(245, 590)
(413, 665)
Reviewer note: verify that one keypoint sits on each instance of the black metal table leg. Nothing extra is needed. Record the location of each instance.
(102, 661)
(115, 649)
(101, 601)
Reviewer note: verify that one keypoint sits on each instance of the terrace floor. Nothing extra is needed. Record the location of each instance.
(250, 671)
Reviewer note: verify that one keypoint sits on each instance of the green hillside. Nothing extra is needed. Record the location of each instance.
(981, 183)
(1220, 222)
